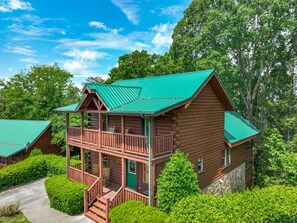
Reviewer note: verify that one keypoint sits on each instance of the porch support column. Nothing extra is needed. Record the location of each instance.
(81, 126)
(99, 128)
(101, 173)
(82, 157)
(123, 132)
(67, 146)
(123, 172)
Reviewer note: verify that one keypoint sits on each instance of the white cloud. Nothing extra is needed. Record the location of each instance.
(112, 41)
(101, 25)
(129, 8)
(74, 65)
(28, 60)
(23, 50)
(33, 31)
(86, 54)
(11, 5)
(10, 69)
(162, 39)
(172, 10)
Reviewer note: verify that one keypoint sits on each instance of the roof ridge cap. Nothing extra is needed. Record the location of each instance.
(116, 86)
(165, 75)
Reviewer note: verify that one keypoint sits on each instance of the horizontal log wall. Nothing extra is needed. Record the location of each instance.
(200, 132)
(115, 164)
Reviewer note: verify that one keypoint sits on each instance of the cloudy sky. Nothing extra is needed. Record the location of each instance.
(85, 37)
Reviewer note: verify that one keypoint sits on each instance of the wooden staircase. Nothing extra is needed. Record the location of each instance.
(99, 210)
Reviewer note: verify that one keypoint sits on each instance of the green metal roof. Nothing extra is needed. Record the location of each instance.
(17, 135)
(238, 128)
(115, 96)
(149, 95)
(68, 108)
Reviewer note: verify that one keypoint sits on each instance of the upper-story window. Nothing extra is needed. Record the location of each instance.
(226, 157)
(200, 164)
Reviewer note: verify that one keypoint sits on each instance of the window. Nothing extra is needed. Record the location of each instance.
(132, 166)
(2, 160)
(145, 174)
(226, 159)
(200, 164)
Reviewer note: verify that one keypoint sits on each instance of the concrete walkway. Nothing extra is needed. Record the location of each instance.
(35, 204)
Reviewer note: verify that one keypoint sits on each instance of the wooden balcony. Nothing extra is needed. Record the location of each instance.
(129, 144)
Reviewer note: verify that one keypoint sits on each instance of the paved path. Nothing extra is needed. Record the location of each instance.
(35, 204)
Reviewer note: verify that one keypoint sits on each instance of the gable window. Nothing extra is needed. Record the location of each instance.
(145, 174)
(200, 164)
(226, 158)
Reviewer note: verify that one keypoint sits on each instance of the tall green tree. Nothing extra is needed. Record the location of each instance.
(140, 64)
(35, 93)
(246, 41)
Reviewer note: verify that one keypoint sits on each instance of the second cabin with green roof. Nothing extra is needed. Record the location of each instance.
(137, 124)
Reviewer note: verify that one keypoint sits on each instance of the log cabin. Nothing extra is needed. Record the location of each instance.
(19, 137)
(130, 128)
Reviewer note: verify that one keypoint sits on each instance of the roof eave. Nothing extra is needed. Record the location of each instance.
(237, 143)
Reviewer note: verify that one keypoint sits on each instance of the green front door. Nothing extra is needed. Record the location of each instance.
(131, 174)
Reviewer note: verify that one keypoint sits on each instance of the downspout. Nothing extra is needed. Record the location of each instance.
(148, 134)
(149, 161)
(67, 158)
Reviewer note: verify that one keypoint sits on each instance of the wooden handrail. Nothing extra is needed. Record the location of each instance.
(91, 193)
(133, 195)
(118, 198)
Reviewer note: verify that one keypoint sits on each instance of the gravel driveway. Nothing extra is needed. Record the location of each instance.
(35, 204)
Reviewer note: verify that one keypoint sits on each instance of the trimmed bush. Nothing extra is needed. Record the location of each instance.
(136, 211)
(65, 195)
(35, 152)
(267, 205)
(32, 168)
(177, 180)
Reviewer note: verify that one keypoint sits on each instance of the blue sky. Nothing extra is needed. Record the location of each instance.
(85, 37)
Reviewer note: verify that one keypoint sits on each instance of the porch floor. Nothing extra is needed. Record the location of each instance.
(110, 190)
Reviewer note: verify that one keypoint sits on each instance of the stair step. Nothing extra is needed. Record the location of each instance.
(102, 200)
(95, 217)
(100, 205)
(98, 212)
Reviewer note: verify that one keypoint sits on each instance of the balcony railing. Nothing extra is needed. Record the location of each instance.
(133, 144)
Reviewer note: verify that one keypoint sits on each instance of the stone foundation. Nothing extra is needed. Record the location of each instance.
(231, 182)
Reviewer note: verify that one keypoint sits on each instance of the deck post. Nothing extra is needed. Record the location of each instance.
(67, 146)
(101, 173)
(82, 157)
(81, 126)
(99, 128)
(123, 172)
(123, 132)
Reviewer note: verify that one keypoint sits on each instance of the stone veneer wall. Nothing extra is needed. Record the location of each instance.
(231, 182)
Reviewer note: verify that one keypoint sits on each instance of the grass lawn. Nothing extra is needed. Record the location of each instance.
(19, 218)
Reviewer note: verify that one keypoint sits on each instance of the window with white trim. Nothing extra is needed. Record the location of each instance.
(200, 164)
(145, 173)
(226, 159)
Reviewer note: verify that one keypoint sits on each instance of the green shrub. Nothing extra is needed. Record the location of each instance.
(35, 152)
(65, 195)
(10, 210)
(136, 211)
(177, 180)
(267, 205)
(32, 168)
